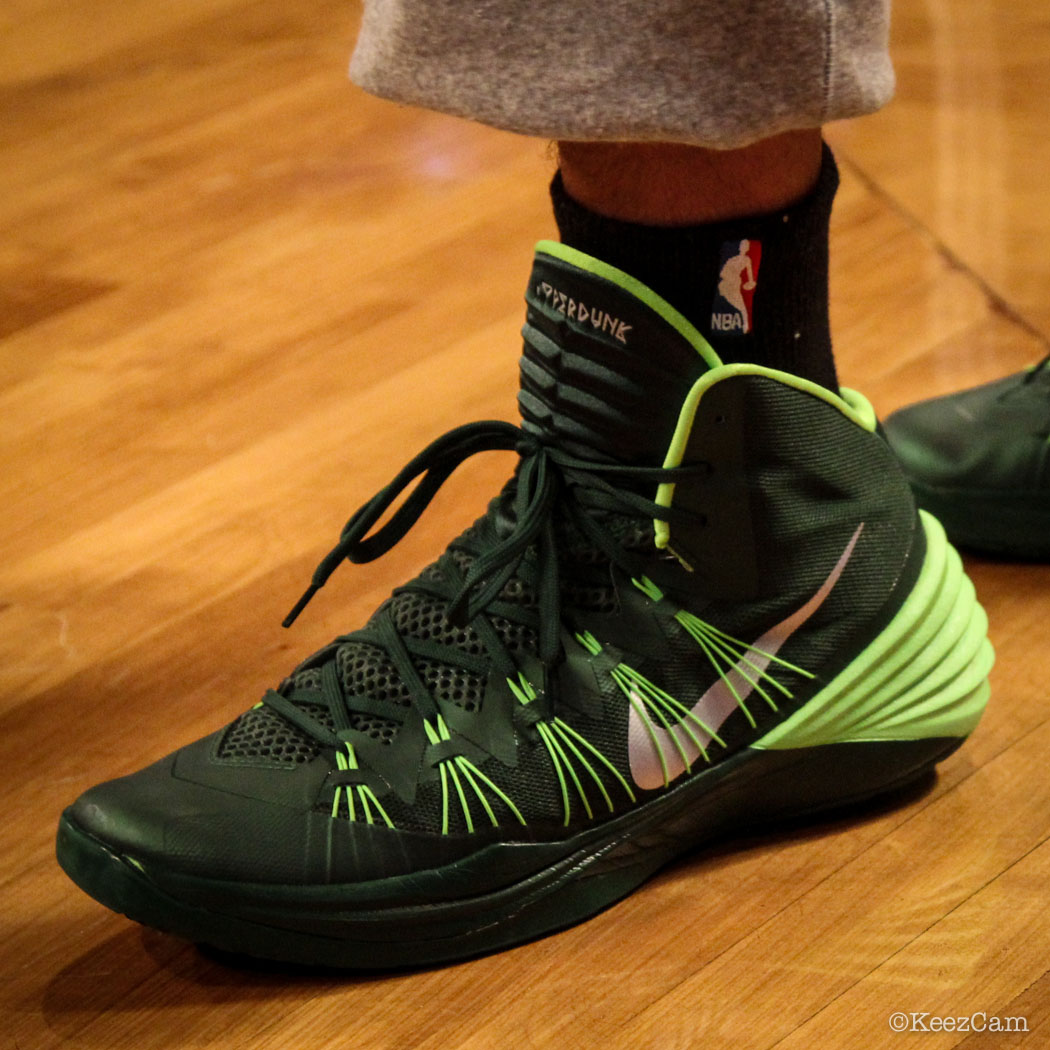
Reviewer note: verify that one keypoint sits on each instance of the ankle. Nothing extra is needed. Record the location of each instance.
(669, 184)
(766, 303)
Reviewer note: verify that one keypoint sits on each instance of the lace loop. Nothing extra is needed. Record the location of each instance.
(434, 465)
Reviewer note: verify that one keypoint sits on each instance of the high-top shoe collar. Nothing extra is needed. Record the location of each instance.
(607, 363)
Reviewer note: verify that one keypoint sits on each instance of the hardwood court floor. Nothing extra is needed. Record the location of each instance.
(236, 296)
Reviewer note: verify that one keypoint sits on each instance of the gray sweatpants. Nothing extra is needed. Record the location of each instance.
(718, 74)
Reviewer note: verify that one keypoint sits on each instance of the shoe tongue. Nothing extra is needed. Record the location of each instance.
(607, 362)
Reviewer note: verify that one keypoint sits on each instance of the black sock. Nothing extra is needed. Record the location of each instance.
(695, 268)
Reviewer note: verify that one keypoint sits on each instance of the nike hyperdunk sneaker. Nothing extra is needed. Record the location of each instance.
(704, 602)
(980, 461)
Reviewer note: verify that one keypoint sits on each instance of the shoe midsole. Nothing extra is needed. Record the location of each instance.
(750, 791)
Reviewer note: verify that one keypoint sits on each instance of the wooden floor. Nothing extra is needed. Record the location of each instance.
(235, 296)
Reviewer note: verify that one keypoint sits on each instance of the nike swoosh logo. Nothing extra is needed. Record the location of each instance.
(645, 739)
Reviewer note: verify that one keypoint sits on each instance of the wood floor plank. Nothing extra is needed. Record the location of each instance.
(964, 147)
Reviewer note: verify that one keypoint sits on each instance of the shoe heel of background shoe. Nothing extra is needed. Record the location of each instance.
(1007, 524)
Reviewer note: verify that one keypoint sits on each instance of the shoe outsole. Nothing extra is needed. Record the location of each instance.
(752, 791)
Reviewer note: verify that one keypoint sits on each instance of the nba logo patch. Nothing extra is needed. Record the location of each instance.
(737, 280)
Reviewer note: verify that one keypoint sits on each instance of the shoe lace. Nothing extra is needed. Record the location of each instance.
(550, 487)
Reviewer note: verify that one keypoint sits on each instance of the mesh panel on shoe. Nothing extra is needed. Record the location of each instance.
(515, 636)
(423, 616)
(452, 684)
(517, 591)
(263, 735)
(366, 671)
(382, 729)
(462, 559)
(308, 679)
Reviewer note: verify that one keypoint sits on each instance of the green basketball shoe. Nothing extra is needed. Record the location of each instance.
(980, 461)
(705, 602)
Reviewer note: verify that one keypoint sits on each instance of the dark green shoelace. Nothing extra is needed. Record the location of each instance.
(549, 488)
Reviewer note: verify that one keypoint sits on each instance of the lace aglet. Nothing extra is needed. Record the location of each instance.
(300, 605)
(685, 565)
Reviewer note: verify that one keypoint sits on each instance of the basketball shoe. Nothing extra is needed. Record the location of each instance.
(979, 460)
(704, 603)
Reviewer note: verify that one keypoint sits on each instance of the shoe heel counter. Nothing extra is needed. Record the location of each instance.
(925, 675)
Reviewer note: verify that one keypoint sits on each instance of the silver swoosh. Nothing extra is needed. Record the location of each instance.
(718, 703)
